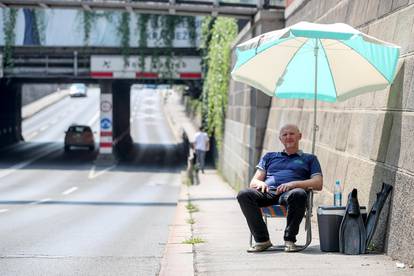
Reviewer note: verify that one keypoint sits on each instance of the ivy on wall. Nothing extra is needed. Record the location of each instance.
(88, 19)
(142, 26)
(9, 24)
(40, 16)
(124, 31)
(216, 83)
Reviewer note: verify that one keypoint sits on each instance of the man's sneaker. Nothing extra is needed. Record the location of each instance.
(290, 246)
(259, 247)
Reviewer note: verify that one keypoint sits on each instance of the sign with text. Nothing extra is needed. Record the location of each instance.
(112, 66)
(106, 124)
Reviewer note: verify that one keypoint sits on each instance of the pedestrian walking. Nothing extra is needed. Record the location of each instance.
(201, 146)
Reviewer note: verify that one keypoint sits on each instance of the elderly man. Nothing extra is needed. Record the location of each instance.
(281, 178)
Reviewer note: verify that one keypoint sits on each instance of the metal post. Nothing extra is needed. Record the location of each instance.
(75, 63)
(315, 126)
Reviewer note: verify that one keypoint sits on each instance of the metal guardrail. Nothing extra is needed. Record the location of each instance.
(33, 63)
(230, 8)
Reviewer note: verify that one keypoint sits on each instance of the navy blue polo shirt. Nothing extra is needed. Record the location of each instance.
(281, 168)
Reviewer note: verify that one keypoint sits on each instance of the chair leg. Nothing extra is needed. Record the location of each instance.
(308, 226)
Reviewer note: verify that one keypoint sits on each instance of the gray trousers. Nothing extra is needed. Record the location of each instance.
(201, 157)
(251, 200)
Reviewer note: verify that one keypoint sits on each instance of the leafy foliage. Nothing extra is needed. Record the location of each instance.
(124, 30)
(9, 24)
(88, 19)
(216, 83)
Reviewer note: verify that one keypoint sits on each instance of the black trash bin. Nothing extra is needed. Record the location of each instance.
(329, 222)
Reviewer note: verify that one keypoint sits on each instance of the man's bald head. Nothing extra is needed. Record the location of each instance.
(290, 127)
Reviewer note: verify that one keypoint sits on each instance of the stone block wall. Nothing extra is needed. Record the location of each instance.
(368, 139)
(247, 114)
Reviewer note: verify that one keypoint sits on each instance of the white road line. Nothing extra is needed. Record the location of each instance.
(93, 175)
(3, 210)
(32, 135)
(43, 128)
(40, 201)
(44, 200)
(69, 191)
(19, 166)
(94, 119)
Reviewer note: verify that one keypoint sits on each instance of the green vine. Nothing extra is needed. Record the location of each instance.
(88, 20)
(124, 30)
(169, 24)
(142, 25)
(9, 24)
(41, 25)
(191, 27)
(216, 83)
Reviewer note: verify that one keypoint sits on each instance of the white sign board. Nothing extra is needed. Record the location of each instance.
(117, 67)
(106, 124)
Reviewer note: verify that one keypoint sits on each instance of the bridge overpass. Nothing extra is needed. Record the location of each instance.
(233, 8)
(64, 59)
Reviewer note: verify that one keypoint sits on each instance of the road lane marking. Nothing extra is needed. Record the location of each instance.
(93, 175)
(43, 128)
(94, 119)
(19, 166)
(40, 201)
(32, 135)
(3, 210)
(69, 191)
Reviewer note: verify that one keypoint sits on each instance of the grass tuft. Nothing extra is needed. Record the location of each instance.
(190, 221)
(191, 207)
(193, 240)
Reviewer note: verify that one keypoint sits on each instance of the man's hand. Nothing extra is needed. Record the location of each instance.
(262, 187)
(284, 188)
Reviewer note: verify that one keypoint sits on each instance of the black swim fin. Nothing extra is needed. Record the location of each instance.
(375, 212)
(352, 232)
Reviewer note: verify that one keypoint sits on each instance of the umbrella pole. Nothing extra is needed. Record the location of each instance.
(315, 126)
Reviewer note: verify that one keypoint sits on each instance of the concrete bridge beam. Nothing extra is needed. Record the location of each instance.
(10, 112)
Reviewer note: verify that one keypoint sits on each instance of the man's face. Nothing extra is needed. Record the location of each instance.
(290, 136)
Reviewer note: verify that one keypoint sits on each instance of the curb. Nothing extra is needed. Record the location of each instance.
(36, 106)
(178, 258)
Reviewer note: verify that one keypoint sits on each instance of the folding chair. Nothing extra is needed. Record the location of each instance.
(279, 211)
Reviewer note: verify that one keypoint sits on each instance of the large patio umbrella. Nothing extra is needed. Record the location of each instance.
(327, 62)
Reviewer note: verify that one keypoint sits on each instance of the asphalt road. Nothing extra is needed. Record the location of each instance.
(62, 215)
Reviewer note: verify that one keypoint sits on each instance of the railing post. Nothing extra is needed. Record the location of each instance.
(47, 64)
(75, 63)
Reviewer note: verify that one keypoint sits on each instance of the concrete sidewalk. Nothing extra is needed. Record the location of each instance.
(36, 106)
(221, 225)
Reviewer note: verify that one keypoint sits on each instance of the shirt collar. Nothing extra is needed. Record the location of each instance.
(299, 153)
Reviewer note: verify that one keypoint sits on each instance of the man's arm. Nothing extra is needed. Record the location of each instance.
(207, 144)
(258, 181)
(315, 183)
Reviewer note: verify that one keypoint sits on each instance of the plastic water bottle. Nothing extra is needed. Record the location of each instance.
(337, 193)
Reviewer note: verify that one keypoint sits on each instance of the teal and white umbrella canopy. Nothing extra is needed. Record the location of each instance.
(344, 61)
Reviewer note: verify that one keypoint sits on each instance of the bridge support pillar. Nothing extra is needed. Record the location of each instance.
(10, 112)
(106, 156)
(122, 131)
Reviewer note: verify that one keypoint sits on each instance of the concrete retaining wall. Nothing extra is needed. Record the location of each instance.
(34, 92)
(247, 113)
(368, 139)
(363, 141)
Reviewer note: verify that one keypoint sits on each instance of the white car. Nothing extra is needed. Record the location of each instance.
(78, 90)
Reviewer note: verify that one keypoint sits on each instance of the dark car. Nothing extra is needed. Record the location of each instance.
(79, 136)
(78, 90)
